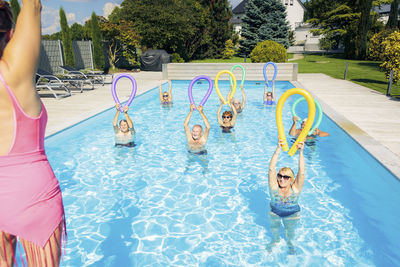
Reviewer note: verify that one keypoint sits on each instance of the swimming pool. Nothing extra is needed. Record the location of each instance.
(157, 205)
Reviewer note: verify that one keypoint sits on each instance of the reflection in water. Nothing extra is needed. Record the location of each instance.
(200, 157)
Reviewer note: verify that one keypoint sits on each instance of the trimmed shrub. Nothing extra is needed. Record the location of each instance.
(176, 58)
(376, 47)
(228, 51)
(391, 56)
(268, 51)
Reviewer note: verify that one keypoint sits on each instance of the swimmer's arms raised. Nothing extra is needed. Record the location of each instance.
(299, 182)
(206, 123)
(186, 123)
(293, 129)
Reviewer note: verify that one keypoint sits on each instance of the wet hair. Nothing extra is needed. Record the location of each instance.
(226, 113)
(6, 22)
(287, 170)
(197, 125)
(124, 121)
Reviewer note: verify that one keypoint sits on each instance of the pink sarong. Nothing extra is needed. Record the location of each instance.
(30, 197)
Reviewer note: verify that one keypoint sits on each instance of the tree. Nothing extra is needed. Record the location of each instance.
(391, 56)
(98, 54)
(364, 25)
(176, 26)
(15, 8)
(346, 22)
(54, 36)
(263, 20)
(66, 39)
(121, 34)
(218, 30)
(77, 32)
(393, 15)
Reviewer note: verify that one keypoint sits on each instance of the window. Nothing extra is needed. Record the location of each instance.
(291, 2)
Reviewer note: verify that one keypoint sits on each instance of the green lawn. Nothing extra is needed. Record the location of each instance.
(220, 60)
(231, 60)
(365, 73)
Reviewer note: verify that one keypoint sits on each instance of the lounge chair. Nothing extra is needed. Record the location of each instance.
(96, 76)
(67, 81)
(75, 74)
(51, 83)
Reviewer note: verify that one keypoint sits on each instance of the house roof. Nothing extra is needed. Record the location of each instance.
(383, 9)
(240, 8)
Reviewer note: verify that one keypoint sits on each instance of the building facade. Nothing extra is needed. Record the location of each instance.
(294, 9)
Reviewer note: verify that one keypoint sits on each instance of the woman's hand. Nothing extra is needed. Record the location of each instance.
(280, 143)
(316, 131)
(117, 106)
(200, 109)
(300, 146)
(192, 107)
(295, 119)
(126, 109)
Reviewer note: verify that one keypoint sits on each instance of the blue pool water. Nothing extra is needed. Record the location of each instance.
(157, 205)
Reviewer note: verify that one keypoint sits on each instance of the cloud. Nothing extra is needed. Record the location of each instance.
(70, 18)
(108, 8)
(81, 1)
(51, 20)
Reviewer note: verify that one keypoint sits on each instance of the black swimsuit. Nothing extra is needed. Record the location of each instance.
(226, 129)
(130, 144)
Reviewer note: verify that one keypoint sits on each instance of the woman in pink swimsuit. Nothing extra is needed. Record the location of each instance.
(30, 198)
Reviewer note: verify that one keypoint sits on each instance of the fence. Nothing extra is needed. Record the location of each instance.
(52, 55)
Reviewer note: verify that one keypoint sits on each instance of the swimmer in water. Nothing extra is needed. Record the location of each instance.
(295, 132)
(165, 97)
(269, 97)
(236, 102)
(284, 190)
(125, 132)
(227, 120)
(196, 139)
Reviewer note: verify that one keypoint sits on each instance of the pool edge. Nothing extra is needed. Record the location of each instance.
(382, 154)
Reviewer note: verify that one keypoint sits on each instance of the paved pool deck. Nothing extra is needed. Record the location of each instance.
(371, 118)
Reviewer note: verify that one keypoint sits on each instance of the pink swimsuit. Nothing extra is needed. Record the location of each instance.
(30, 197)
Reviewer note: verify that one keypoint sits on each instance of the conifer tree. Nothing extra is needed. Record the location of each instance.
(393, 15)
(66, 39)
(98, 55)
(15, 8)
(219, 29)
(264, 20)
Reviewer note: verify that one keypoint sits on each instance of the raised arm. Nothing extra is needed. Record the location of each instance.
(244, 97)
(234, 116)
(128, 119)
(265, 91)
(273, 91)
(170, 91)
(21, 54)
(273, 184)
(293, 129)
(206, 123)
(160, 92)
(186, 123)
(299, 182)
(219, 115)
(115, 121)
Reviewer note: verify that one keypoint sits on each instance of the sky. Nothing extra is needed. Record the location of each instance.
(78, 11)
